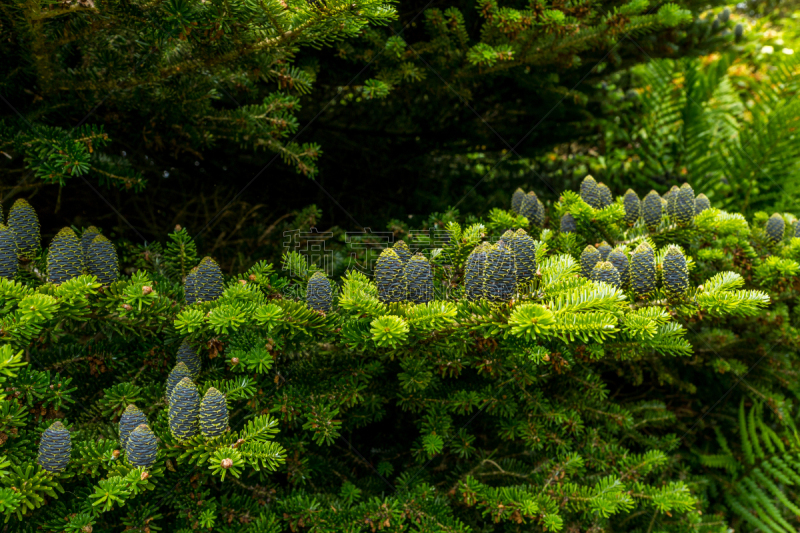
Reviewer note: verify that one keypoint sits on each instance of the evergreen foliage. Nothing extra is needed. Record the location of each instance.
(141, 448)
(9, 263)
(64, 257)
(24, 223)
(545, 405)
(319, 292)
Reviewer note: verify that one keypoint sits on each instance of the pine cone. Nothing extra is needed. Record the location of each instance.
(8, 253)
(516, 200)
(604, 250)
(589, 258)
(402, 250)
(188, 356)
(24, 223)
(604, 271)
(604, 193)
(532, 209)
(102, 260)
(775, 227)
(473, 273)
(568, 224)
(500, 276)
(389, 277)
(675, 274)
(651, 210)
(213, 414)
(797, 229)
(190, 287)
(179, 371)
(643, 270)
(524, 248)
(419, 279)
(183, 410)
(619, 259)
(130, 420)
(55, 448)
(701, 203)
(633, 207)
(142, 447)
(87, 237)
(319, 293)
(589, 192)
(64, 258)
(684, 210)
(671, 196)
(208, 281)
(507, 235)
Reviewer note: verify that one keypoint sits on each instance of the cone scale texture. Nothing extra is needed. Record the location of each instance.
(606, 198)
(9, 263)
(643, 271)
(24, 223)
(604, 250)
(190, 287)
(633, 207)
(102, 260)
(87, 237)
(64, 257)
(188, 356)
(651, 210)
(389, 277)
(775, 227)
(568, 224)
(419, 279)
(213, 414)
(500, 277)
(675, 274)
(605, 272)
(524, 248)
(701, 204)
(618, 258)
(532, 209)
(142, 447)
(473, 273)
(516, 200)
(684, 210)
(175, 376)
(55, 448)
(672, 197)
(184, 408)
(589, 258)
(590, 193)
(319, 293)
(208, 282)
(402, 250)
(130, 420)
